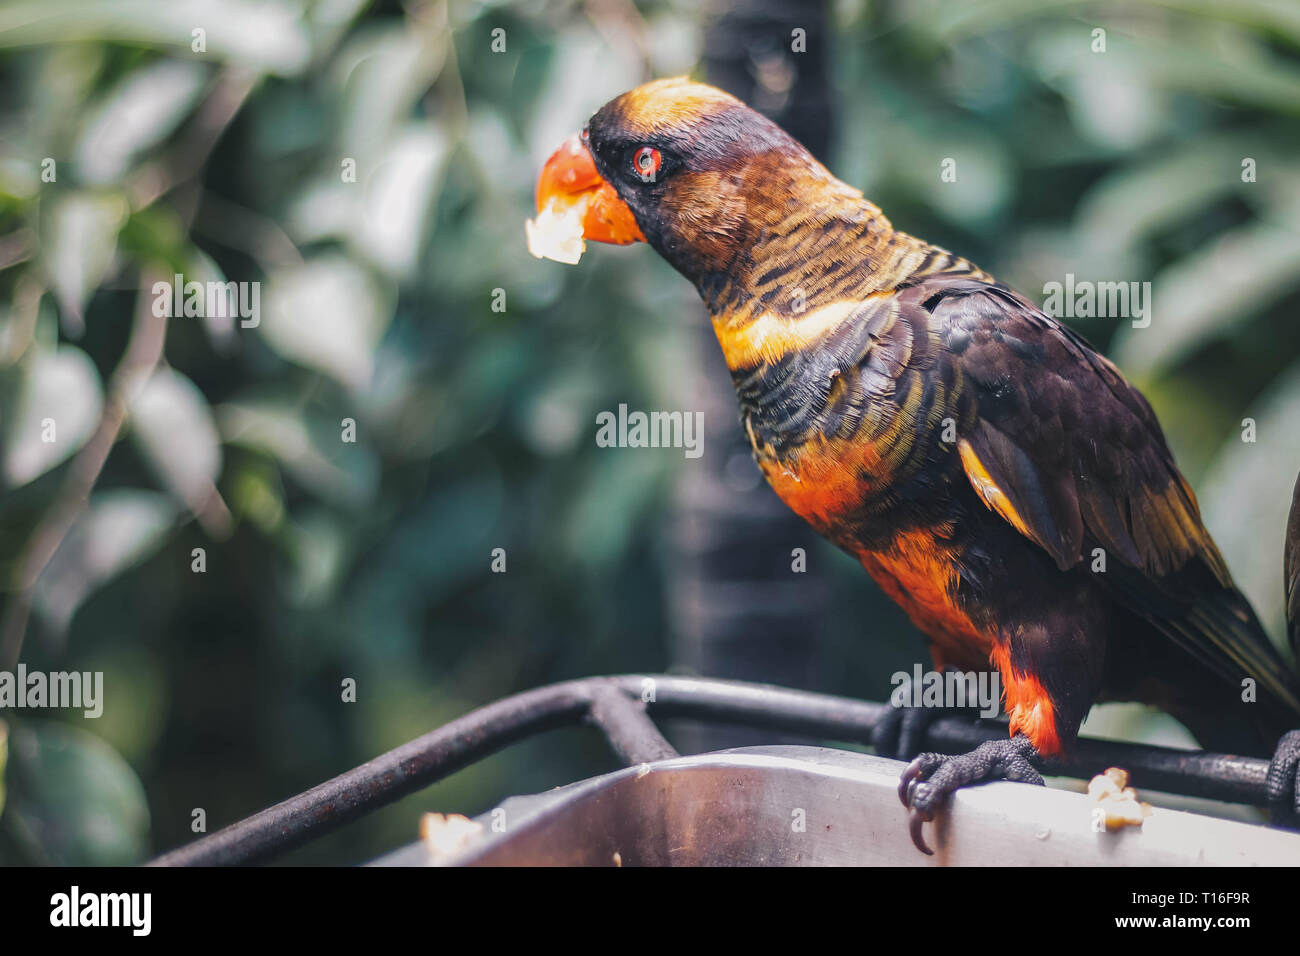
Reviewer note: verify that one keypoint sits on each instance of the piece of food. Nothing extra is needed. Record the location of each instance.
(1110, 791)
(447, 834)
(556, 233)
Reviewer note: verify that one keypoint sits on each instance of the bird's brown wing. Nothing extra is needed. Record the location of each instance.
(1072, 456)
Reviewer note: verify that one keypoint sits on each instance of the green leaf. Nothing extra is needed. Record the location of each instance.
(56, 413)
(136, 115)
(1242, 71)
(118, 529)
(399, 199)
(1211, 293)
(311, 451)
(604, 514)
(327, 314)
(257, 495)
(73, 799)
(1247, 494)
(1263, 16)
(78, 237)
(318, 548)
(265, 36)
(384, 215)
(1137, 200)
(948, 22)
(172, 423)
(156, 234)
(220, 324)
(378, 77)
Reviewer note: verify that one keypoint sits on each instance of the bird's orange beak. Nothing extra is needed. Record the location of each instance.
(568, 178)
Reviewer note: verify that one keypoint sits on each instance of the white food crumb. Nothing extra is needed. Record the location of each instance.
(557, 233)
(1119, 802)
(447, 835)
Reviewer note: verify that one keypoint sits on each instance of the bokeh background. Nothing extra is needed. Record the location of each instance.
(371, 560)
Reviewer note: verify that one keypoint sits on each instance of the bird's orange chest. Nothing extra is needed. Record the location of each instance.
(920, 574)
(821, 482)
(824, 482)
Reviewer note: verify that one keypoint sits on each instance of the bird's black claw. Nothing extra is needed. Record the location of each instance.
(900, 732)
(931, 779)
(1283, 781)
(916, 821)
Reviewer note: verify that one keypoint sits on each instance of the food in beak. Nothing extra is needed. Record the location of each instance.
(556, 233)
(574, 203)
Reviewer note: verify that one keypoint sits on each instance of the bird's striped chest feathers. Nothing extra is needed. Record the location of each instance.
(844, 405)
(852, 410)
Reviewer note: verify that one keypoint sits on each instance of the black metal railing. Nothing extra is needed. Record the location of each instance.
(621, 708)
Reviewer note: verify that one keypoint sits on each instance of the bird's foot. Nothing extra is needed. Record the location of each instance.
(1283, 781)
(900, 732)
(931, 778)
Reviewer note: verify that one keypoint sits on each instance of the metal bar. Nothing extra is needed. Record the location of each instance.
(761, 705)
(410, 767)
(1226, 777)
(614, 705)
(623, 720)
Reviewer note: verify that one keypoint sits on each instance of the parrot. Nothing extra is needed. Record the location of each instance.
(996, 475)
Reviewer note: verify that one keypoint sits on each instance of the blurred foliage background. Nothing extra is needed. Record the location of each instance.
(327, 559)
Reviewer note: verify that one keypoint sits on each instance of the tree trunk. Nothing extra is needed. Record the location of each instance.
(740, 610)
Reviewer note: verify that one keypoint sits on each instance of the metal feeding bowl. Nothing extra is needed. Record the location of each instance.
(813, 806)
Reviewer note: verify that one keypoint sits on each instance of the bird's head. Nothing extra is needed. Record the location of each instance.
(694, 172)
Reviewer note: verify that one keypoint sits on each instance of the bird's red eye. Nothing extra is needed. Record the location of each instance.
(646, 162)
